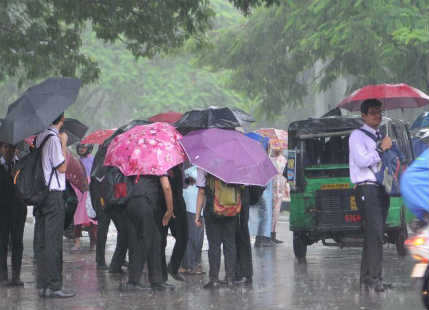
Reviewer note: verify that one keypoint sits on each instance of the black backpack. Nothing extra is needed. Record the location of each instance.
(29, 178)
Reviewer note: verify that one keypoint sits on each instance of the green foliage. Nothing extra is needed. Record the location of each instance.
(43, 37)
(283, 51)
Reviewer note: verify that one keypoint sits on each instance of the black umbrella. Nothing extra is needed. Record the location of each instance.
(37, 108)
(212, 117)
(74, 129)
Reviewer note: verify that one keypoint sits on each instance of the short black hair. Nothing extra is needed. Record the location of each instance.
(369, 103)
(58, 119)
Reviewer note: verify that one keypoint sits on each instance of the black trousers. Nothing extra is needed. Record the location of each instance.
(103, 222)
(179, 230)
(192, 257)
(119, 219)
(221, 231)
(244, 265)
(13, 214)
(373, 204)
(144, 239)
(49, 241)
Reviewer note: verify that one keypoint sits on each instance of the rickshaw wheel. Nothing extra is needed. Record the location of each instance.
(299, 245)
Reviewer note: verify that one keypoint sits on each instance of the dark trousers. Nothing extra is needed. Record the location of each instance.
(244, 265)
(103, 222)
(192, 257)
(221, 231)
(373, 204)
(118, 217)
(49, 241)
(144, 239)
(12, 222)
(179, 230)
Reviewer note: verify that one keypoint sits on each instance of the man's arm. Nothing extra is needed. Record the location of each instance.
(200, 201)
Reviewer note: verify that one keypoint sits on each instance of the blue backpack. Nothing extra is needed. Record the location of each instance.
(393, 164)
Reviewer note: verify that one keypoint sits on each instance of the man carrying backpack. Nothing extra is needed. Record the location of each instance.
(371, 197)
(51, 212)
(221, 223)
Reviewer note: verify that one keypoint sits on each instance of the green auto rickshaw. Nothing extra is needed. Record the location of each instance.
(323, 206)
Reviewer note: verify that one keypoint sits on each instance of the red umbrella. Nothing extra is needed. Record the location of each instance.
(168, 117)
(75, 173)
(393, 96)
(98, 136)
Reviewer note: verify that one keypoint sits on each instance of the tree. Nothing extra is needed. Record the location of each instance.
(281, 53)
(43, 37)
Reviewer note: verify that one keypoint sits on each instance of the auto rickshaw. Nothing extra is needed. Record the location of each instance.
(323, 206)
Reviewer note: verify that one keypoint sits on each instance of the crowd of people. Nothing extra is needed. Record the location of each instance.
(181, 202)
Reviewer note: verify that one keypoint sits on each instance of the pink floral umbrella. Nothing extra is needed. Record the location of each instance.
(146, 150)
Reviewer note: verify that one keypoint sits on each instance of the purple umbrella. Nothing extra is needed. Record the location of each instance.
(229, 155)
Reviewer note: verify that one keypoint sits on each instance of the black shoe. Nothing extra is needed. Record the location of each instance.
(169, 285)
(15, 282)
(125, 264)
(387, 285)
(274, 238)
(212, 285)
(133, 287)
(176, 276)
(49, 293)
(116, 270)
(158, 287)
(102, 267)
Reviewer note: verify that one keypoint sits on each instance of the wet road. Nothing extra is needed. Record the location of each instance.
(330, 280)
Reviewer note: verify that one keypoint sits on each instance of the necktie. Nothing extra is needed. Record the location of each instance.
(377, 133)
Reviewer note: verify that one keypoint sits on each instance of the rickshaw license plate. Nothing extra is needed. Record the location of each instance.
(419, 270)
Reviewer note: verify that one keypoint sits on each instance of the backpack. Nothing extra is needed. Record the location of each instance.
(393, 164)
(29, 178)
(113, 188)
(226, 197)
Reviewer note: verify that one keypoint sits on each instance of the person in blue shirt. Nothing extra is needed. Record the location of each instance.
(415, 186)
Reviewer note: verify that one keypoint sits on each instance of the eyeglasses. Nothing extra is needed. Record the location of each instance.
(375, 112)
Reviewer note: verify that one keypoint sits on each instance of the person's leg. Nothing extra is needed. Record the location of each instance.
(189, 256)
(214, 236)
(92, 236)
(163, 233)
(103, 220)
(134, 227)
(244, 265)
(17, 235)
(4, 240)
(275, 218)
(228, 237)
(77, 233)
(179, 229)
(119, 219)
(51, 257)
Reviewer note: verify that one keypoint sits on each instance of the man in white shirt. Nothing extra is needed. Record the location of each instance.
(50, 214)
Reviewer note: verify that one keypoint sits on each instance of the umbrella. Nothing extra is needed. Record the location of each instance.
(393, 96)
(75, 130)
(98, 136)
(146, 150)
(168, 117)
(37, 108)
(278, 137)
(75, 172)
(261, 139)
(212, 117)
(229, 155)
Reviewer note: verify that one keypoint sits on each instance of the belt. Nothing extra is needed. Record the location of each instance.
(372, 183)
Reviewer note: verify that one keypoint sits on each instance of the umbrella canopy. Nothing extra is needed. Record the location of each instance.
(75, 173)
(278, 137)
(146, 150)
(168, 117)
(98, 136)
(261, 139)
(229, 155)
(212, 117)
(393, 96)
(75, 130)
(37, 108)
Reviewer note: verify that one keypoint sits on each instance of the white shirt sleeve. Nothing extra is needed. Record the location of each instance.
(55, 152)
